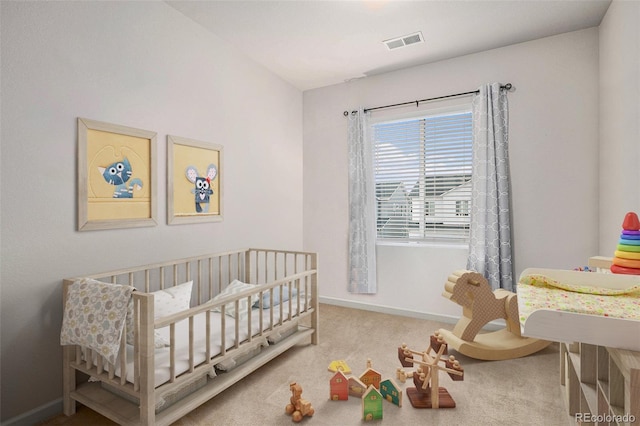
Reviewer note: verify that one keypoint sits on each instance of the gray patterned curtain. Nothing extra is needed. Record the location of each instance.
(362, 220)
(490, 233)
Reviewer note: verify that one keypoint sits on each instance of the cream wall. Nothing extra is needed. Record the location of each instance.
(138, 64)
(554, 166)
(619, 119)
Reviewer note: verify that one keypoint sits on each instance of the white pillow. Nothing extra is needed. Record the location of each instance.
(266, 297)
(172, 300)
(243, 306)
(166, 302)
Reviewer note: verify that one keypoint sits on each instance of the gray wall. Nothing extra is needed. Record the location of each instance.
(619, 119)
(553, 147)
(143, 65)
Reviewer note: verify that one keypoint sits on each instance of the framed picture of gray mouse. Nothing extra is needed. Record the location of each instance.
(194, 181)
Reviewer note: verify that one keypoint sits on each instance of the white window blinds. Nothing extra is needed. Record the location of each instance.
(423, 177)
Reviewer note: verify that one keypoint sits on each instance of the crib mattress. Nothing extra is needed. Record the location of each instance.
(162, 355)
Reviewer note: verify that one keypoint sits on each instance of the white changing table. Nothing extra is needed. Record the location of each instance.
(599, 375)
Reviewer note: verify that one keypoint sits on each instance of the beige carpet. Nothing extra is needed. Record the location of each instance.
(523, 391)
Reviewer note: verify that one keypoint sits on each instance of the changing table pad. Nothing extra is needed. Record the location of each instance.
(564, 292)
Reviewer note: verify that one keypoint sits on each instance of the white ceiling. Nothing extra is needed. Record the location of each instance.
(318, 43)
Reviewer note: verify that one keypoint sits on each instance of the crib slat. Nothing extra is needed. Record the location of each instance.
(191, 348)
(237, 324)
(208, 338)
(266, 267)
(285, 264)
(88, 357)
(210, 277)
(273, 290)
(274, 267)
(260, 309)
(249, 313)
(175, 274)
(123, 360)
(257, 265)
(223, 330)
(99, 365)
(219, 275)
(112, 369)
(172, 352)
(290, 291)
(281, 311)
(136, 346)
(199, 295)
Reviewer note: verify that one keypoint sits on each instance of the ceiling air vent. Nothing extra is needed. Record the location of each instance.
(403, 41)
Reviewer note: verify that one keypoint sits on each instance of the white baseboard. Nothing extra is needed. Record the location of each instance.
(37, 415)
(448, 319)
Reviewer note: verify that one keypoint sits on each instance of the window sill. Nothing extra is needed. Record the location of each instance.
(432, 244)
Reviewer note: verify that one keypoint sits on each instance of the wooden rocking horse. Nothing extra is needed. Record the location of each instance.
(481, 305)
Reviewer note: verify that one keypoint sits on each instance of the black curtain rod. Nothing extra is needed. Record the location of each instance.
(507, 86)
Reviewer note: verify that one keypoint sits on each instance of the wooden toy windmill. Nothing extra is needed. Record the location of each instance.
(428, 393)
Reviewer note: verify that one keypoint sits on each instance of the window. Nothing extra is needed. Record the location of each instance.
(462, 208)
(429, 208)
(423, 177)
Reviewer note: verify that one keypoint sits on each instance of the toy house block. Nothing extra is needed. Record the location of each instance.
(391, 392)
(339, 387)
(371, 404)
(356, 387)
(339, 365)
(371, 376)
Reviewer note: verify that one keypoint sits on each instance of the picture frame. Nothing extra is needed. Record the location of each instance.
(194, 181)
(116, 176)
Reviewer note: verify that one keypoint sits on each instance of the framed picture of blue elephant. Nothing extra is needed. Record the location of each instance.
(116, 176)
(194, 181)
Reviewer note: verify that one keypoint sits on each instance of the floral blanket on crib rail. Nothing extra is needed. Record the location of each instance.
(541, 292)
(94, 316)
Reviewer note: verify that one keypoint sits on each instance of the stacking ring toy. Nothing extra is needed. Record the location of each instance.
(627, 255)
(625, 247)
(622, 270)
(627, 263)
(629, 242)
(630, 237)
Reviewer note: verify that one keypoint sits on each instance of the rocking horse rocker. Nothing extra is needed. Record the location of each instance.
(479, 306)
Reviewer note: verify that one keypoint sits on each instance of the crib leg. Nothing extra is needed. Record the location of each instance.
(68, 380)
(315, 318)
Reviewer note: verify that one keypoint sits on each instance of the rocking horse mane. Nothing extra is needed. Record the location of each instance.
(470, 287)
